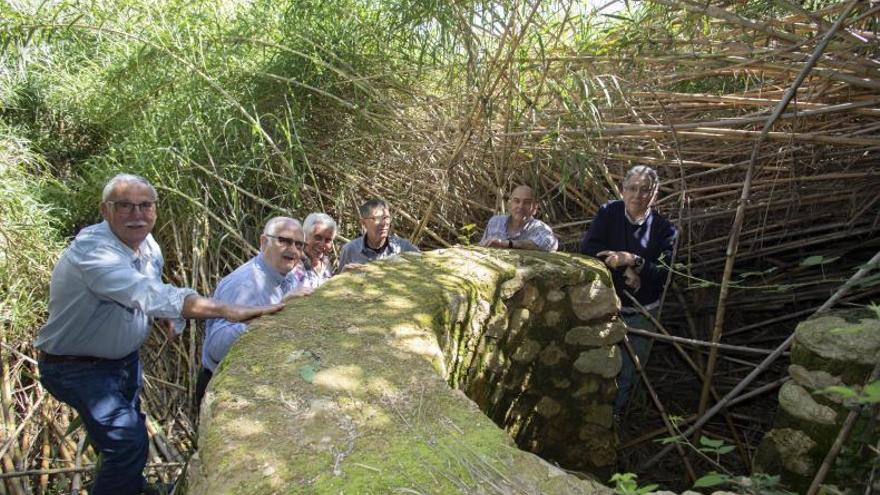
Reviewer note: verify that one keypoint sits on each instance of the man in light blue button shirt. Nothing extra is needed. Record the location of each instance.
(105, 291)
(267, 278)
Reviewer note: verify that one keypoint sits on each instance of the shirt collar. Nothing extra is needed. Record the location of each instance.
(637, 221)
(383, 247)
(271, 274)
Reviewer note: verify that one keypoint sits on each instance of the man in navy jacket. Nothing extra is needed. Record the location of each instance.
(632, 239)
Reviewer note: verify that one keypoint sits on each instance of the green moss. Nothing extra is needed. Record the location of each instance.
(373, 415)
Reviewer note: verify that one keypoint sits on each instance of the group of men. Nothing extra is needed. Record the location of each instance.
(106, 291)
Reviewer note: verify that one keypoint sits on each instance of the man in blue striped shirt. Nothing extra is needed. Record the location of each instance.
(106, 289)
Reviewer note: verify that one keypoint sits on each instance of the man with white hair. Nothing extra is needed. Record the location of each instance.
(106, 289)
(266, 278)
(315, 268)
(631, 237)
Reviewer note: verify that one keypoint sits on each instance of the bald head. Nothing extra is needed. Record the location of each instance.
(522, 204)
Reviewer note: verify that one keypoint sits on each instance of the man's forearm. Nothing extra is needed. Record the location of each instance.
(196, 306)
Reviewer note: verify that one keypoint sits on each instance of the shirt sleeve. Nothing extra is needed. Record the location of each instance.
(491, 229)
(345, 256)
(596, 237)
(543, 238)
(221, 334)
(111, 275)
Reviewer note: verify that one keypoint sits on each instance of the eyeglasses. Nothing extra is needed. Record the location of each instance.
(639, 190)
(127, 207)
(287, 241)
(379, 219)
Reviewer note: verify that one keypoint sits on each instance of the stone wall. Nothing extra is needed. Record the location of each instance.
(840, 348)
(360, 388)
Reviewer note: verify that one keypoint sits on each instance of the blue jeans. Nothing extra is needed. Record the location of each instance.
(106, 396)
(628, 376)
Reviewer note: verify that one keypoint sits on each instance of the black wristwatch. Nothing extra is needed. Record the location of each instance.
(638, 264)
(510, 244)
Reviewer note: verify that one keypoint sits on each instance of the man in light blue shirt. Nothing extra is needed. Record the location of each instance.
(520, 229)
(378, 242)
(267, 278)
(105, 291)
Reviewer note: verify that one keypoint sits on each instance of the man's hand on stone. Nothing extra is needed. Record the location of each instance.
(494, 243)
(302, 291)
(632, 279)
(239, 312)
(615, 259)
(353, 266)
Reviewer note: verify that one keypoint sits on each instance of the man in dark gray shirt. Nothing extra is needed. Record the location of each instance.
(105, 291)
(377, 242)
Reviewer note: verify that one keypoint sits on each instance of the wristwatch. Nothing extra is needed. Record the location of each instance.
(510, 244)
(638, 264)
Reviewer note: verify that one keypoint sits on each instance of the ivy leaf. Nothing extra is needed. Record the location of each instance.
(711, 479)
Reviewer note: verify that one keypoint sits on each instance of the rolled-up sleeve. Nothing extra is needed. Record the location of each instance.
(543, 237)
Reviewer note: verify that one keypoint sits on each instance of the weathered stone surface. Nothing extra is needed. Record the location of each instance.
(837, 346)
(527, 351)
(813, 380)
(599, 334)
(797, 402)
(552, 355)
(552, 318)
(789, 449)
(593, 300)
(548, 407)
(348, 391)
(555, 295)
(529, 297)
(600, 414)
(835, 349)
(605, 361)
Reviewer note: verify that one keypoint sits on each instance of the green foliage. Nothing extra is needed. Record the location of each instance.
(625, 484)
(30, 241)
(869, 394)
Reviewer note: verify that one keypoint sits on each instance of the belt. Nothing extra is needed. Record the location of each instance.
(56, 358)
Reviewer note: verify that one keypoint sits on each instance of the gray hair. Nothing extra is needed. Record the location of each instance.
(648, 172)
(126, 179)
(315, 219)
(367, 207)
(275, 223)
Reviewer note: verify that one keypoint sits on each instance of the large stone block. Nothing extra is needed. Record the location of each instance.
(604, 361)
(353, 390)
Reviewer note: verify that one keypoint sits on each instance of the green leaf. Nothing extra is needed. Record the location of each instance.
(647, 488)
(708, 442)
(871, 393)
(711, 479)
(813, 260)
(73, 425)
(725, 449)
(843, 391)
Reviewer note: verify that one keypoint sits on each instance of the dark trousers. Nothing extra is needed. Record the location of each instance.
(202, 385)
(629, 377)
(105, 393)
